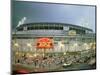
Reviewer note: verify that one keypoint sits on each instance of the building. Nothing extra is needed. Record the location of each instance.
(62, 37)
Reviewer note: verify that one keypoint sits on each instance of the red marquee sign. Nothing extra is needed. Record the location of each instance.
(44, 43)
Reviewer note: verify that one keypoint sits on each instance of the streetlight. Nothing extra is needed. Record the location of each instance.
(64, 53)
(17, 53)
(75, 45)
(16, 45)
(61, 45)
(86, 46)
(29, 45)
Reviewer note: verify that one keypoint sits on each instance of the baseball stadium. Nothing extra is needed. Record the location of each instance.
(44, 47)
(52, 37)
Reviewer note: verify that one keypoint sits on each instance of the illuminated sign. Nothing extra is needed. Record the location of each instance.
(44, 43)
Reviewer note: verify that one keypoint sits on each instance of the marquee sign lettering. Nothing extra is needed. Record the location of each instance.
(44, 43)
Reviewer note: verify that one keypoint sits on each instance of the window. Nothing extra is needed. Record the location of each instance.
(46, 27)
(20, 29)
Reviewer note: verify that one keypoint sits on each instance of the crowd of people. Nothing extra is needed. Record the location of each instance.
(53, 61)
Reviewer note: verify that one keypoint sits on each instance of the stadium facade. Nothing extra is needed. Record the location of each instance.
(62, 37)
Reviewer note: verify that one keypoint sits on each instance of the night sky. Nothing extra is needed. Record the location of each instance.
(47, 12)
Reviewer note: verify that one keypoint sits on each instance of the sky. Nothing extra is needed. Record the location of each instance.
(47, 12)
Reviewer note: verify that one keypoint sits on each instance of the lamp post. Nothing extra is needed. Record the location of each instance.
(30, 46)
(16, 50)
(75, 46)
(17, 46)
(86, 46)
(61, 46)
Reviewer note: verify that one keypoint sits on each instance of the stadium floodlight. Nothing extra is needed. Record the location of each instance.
(22, 21)
(85, 22)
